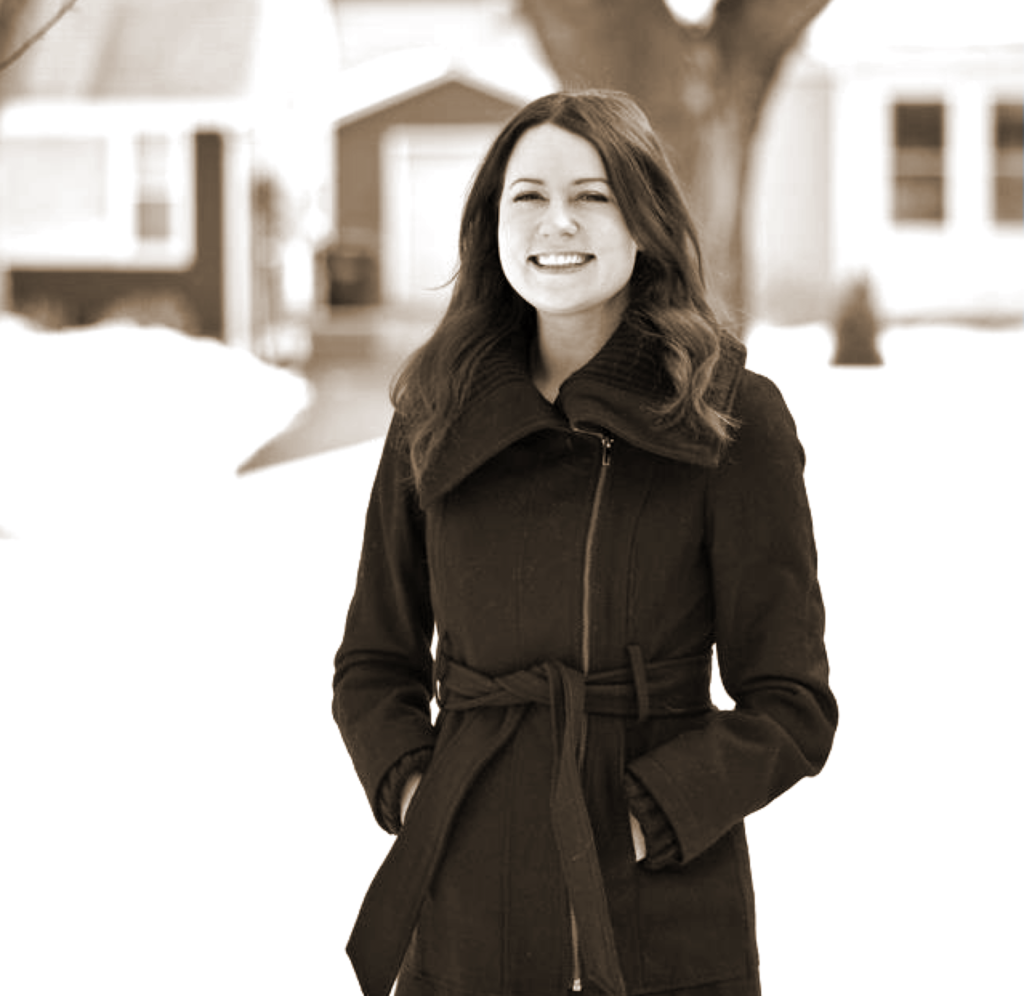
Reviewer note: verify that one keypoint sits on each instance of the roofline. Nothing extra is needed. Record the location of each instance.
(910, 56)
(50, 115)
(436, 69)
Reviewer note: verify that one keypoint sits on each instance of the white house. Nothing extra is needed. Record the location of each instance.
(170, 158)
(927, 193)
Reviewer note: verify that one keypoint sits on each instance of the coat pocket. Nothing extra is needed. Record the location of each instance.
(696, 921)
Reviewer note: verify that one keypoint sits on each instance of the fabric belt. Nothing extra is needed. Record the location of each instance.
(392, 905)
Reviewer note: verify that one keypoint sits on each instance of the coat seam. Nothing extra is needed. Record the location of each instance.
(504, 979)
(633, 566)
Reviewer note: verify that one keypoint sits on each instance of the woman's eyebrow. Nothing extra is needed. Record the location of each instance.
(583, 181)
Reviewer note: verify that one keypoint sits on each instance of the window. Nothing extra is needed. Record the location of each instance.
(91, 190)
(918, 162)
(1008, 163)
(154, 198)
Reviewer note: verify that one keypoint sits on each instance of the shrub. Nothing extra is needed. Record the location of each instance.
(161, 307)
(856, 327)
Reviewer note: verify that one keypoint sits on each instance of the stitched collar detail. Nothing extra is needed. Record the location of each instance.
(615, 391)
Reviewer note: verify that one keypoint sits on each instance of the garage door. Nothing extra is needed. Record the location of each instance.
(427, 172)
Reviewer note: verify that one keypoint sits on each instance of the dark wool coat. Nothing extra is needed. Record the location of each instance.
(549, 542)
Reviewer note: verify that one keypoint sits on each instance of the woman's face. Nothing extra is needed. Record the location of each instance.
(563, 242)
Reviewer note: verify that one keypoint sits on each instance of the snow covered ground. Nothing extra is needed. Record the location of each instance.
(179, 816)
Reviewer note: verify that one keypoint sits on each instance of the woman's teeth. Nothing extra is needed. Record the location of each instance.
(560, 259)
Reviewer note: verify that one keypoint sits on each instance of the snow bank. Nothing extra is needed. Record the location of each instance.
(117, 425)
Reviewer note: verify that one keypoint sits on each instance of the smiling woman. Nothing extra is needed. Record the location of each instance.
(560, 533)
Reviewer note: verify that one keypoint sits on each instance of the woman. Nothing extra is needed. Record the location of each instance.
(584, 492)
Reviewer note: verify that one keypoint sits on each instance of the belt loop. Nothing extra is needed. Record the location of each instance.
(643, 700)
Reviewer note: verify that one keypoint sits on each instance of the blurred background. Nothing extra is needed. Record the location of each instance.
(244, 169)
(223, 225)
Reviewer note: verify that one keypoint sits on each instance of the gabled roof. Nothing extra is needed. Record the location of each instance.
(392, 79)
(129, 49)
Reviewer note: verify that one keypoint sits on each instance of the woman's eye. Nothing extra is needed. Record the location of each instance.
(594, 197)
(525, 196)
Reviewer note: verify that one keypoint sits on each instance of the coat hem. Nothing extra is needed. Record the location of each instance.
(412, 983)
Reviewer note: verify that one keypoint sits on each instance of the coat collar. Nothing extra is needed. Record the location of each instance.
(613, 392)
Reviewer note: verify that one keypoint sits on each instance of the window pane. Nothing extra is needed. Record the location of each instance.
(919, 126)
(918, 199)
(1008, 162)
(153, 221)
(1009, 200)
(919, 162)
(1010, 126)
(154, 155)
(153, 188)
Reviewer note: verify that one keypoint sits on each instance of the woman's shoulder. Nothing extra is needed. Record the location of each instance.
(765, 428)
(759, 398)
(394, 467)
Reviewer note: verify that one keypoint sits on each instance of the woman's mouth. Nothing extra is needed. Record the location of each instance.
(560, 260)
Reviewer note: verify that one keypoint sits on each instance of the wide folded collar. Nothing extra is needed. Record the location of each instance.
(615, 392)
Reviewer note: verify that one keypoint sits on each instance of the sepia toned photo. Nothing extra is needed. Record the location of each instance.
(510, 497)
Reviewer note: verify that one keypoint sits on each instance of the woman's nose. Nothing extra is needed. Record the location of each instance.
(558, 219)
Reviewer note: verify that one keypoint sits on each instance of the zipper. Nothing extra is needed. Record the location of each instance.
(588, 550)
(588, 565)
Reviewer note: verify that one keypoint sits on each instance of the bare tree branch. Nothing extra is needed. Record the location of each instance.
(9, 60)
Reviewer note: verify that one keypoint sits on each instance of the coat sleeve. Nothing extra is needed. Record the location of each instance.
(383, 668)
(769, 623)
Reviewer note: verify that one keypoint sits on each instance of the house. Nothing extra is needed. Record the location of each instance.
(904, 167)
(169, 160)
(927, 189)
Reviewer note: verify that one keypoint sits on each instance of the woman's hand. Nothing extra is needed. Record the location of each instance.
(408, 791)
(639, 843)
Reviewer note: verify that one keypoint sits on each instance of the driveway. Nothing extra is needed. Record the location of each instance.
(356, 352)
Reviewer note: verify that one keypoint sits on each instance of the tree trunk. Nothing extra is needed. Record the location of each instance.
(703, 89)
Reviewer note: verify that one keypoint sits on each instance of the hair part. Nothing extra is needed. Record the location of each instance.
(668, 301)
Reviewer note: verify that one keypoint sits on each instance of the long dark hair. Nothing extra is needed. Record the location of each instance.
(668, 301)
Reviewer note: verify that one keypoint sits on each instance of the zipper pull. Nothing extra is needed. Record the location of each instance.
(605, 440)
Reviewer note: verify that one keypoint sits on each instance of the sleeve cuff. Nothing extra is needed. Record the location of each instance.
(389, 797)
(663, 849)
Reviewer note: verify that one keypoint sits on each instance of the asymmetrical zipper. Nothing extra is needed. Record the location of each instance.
(585, 649)
(588, 555)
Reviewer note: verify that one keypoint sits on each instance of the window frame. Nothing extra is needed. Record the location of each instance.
(917, 164)
(1007, 164)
